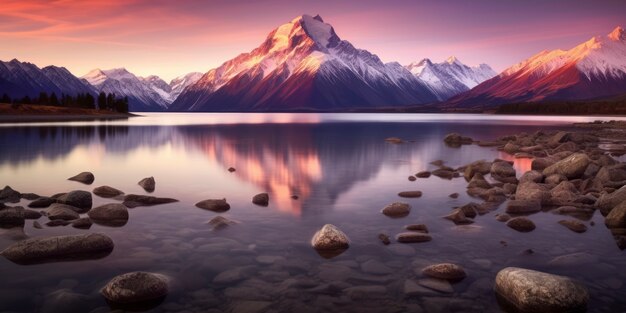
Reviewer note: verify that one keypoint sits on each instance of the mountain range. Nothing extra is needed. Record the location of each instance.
(451, 77)
(20, 79)
(594, 69)
(303, 65)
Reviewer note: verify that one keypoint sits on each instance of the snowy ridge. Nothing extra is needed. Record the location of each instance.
(303, 64)
(593, 69)
(451, 77)
(144, 94)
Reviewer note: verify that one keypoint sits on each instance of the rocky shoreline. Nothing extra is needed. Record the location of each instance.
(573, 174)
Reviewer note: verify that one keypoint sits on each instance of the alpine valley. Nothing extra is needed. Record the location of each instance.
(304, 66)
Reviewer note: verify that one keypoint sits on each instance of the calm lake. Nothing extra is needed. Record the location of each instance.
(343, 172)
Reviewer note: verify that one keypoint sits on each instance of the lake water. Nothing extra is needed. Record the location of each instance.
(343, 173)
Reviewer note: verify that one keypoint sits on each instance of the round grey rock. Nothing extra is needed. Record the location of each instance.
(135, 287)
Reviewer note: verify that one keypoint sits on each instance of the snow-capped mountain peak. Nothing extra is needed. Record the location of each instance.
(450, 77)
(617, 34)
(593, 69)
(303, 64)
(453, 60)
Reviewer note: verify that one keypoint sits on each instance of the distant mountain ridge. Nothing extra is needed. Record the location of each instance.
(592, 70)
(149, 93)
(20, 79)
(304, 65)
(451, 77)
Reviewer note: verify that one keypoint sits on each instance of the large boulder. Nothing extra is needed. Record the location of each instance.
(531, 191)
(573, 166)
(397, 209)
(135, 287)
(502, 169)
(456, 140)
(413, 237)
(59, 248)
(112, 214)
(521, 224)
(459, 217)
(330, 238)
(215, 205)
(77, 198)
(558, 138)
(107, 192)
(86, 178)
(531, 176)
(608, 201)
(7, 194)
(148, 184)
(133, 201)
(533, 291)
(62, 212)
(574, 225)
(616, 218)
(478, 181)
(12, 217)
(523, 206)
(42, 202)
(447, 271)
(480, 166)
(262, 199)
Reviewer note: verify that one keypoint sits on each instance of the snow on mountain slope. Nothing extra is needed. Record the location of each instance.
(144, 94)
(178, 84)
(304, 65)
(451, 77)
(19, 79)
(593, 69)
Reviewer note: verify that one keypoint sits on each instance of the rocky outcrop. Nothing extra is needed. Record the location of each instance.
(533, 291)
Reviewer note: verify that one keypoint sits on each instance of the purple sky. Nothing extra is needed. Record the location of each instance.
(170, 38)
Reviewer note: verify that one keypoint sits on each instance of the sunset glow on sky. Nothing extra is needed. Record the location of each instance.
(171, 38)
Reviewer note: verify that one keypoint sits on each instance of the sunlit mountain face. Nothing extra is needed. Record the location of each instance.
(304, 65)
(591, 70)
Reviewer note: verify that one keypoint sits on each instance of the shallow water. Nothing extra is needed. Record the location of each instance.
(343, 172)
